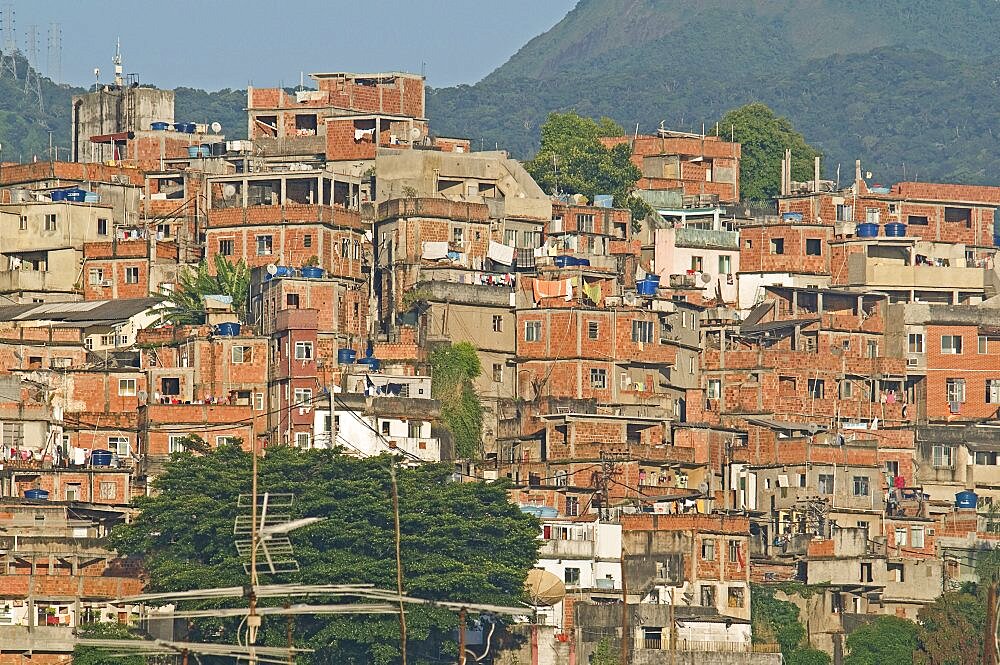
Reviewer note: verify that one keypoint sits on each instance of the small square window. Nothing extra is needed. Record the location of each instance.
(242, 354)
(825, 484)
(951, 344)
(131, 275)
(915, 343)
(708, 549)
(497, 323)
(814, 247)
(303, 350)
(593, 329)
(532, 331)
(777, 245)
(497, 373)
(598, 379)
(292, 300)
(102, 226)
(226, 247)
(50, 223)
(24, 223)
(307, 241)
(127, 387)
(265, 245)
(983, 344)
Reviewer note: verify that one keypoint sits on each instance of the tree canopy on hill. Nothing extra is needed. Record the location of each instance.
(765, 137)
(572, 160)
(460, 541)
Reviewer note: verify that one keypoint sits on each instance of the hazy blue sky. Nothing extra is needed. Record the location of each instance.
(216, 44)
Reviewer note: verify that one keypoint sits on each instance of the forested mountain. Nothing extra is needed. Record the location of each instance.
(900, 85)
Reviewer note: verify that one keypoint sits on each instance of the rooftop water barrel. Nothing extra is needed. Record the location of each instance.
(966, 499)
(36, 495)
(58, 194)
(373, 363)
(189, 127)
(193, 150)
(346, 356)
(76, 195)
(312, 272)
(791, 216)
(100, 458)
(655, 279)
(561, 261)
(178, 126)
(895, 230)
(283, 271)
(159, 126)
(228, 329)
(867, 230)
(645, 287)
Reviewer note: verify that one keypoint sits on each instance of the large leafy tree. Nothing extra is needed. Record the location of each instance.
(765, 137)
(193, 284)
(572, 160)
(777, 621)
(951, 630)
(459, 541)
(453, 370)
(888, 640)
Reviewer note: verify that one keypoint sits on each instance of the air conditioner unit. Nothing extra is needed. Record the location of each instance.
(955, 407)
(106, 282)
(120, 180)
(912, 361)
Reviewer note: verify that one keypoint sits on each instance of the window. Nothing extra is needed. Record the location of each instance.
(345, 248)
(307, 240)
(708, 549)
(955, 390)
(73, 493)
(917, 537)
(958, 215)
(814, 247)
(915, 343)
(642, 331)
(303, 350)
(292, 300)
(119, 445)
(497, 373)
(170, 385)
(846, 389)
(817, 388)
(302, 440)
(725, 264)
(872, 349)
(131, 275)
(585, 223)
(861, 486)
(572, 576)
(983, 344)
(845, 213)
(737, 596)
(24, 223)
(993, 391)
(707, 595)
(943, 456)
(126, 387)
(95, 276)
(734, 551)
(593, 329)
(802, 480)
(497, 323)
(258, 401)
(826, 483)
(749, 244)
(866, 575)
(531, 239)
(572, 506)
(697, 264)
(303, 396)
(226, 247)
(872, 215)
(457, 234)
(951, 344)
(919, 220)
(265, 245)
(598, 379)
(50, 222)
(777, 245)
(900, 534)
(175, 443)
(532, 331)
(108, 490)
(510, 237)
(102, 226)
(714, 389)
(242, 354)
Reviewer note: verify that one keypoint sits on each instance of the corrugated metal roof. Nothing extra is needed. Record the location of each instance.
(91, 312)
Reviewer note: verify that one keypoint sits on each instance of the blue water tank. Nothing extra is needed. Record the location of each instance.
(895, 230)
(189, 127)
(312, 272)
(645, 287)
(36, 495)
(178, 126)
(228, 329)
(158, 126)
(76, 195)
(544, 512)
(100, 458)
(791, 216)
(996, 240)
(346, 356)
(58, 194)
(966, 499)
(867, 230)
(373, 363)
(283, 271)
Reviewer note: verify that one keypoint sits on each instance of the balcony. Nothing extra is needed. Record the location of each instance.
(877, 273)
(707, 238)
(50, 639)
(33, 280)
(567, 549)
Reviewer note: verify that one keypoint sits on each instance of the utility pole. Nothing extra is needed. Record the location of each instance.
(626, 627)
(461, 636)
(990, 656)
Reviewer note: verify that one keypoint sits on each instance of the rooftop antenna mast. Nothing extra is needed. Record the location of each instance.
(117, 60)
(8, 63)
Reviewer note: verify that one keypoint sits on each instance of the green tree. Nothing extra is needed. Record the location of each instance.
(230, 279)
(459, 541)
(603, 654)
(765, 137)
(108, 631)
(777, 621)
(572, 160)
(453, 370)
(888, 640)
(951, 630)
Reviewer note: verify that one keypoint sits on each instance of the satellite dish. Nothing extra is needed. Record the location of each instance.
(229, 191)
(703, 488)
(705, 278)
(812, 428)
(142, 395)
(543, 588)
(216, 127)
(272, 269)
(415, 133)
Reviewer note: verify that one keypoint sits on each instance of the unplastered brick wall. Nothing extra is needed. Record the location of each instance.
(783, 248)
(379, 93)
(53, 172)
(969, 371)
